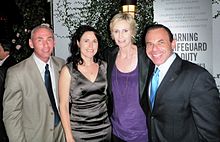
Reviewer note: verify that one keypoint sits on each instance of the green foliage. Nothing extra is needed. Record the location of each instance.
(97, 13)
(144, 16)
(217, 13)
(34, 13)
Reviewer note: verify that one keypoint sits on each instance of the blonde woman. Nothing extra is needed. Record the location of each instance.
(127, 76)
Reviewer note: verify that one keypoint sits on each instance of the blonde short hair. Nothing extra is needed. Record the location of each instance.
(128, 18)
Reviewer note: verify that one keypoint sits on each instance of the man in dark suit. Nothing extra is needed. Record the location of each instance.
(3, 135)
(6, 49)
(186, 107)
(6, 61)
(29, 114)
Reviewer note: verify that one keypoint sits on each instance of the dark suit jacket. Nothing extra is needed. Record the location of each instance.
(2, 79)
(143, 68)
(10, 61)
(3, 136)
(187, 106)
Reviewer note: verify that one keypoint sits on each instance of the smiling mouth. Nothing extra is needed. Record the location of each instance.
(89, 50)
(156, 55)
(121, 41)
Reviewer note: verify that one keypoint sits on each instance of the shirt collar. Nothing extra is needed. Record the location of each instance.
(40, 64)
(2, 61)
(165, 66)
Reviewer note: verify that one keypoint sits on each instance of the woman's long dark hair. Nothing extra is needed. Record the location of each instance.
(75, 56)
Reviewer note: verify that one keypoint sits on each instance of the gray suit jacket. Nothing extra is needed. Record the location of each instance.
(27, 114)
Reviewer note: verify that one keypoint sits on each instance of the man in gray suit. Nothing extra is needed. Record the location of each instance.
(28, 113)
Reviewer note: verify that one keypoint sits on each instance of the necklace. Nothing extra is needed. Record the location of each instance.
(117, 84)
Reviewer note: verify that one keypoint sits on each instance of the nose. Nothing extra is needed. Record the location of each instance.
(120, 34)
(90, 45)
(154, 47)
(46, 43)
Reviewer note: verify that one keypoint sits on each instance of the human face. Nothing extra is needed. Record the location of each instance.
(3, 54)
(43, 43)
(121, 33)
(88, 45)
(158, 46)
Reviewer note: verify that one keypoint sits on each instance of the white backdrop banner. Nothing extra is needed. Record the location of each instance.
(216, 44)
(195, 29)
(191, 23)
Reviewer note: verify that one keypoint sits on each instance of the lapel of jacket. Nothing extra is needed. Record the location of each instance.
(57, 69)
(150, 74)
(111, 62)
(143, 71)
(168, 79)
(37, 78)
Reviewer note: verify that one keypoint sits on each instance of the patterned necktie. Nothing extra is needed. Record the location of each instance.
(48, 85)
(154, 86)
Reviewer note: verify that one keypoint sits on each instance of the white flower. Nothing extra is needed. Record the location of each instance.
(18, 34)
(13, 40)
(18, 47)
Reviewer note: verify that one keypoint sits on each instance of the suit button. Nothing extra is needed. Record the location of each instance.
(51, 113)
(51, 129)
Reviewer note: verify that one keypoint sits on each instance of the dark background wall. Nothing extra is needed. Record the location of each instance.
(9, 15)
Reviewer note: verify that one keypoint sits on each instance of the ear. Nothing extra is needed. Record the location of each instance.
(173, 44)
(7, 52)
(31, 44)
(77, 43)
(54, 43)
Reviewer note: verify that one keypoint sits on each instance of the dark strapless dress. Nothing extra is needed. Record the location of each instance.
(88, 109)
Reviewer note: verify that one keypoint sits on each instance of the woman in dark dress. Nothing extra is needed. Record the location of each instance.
(82, 90)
